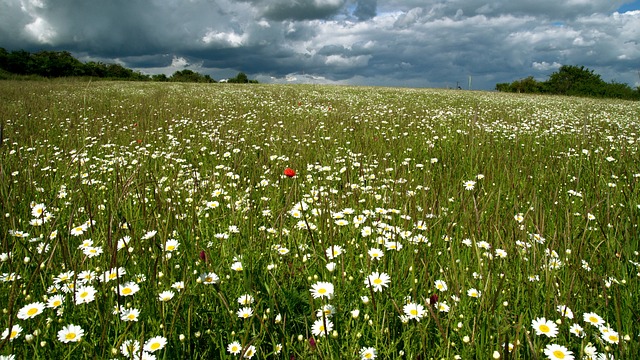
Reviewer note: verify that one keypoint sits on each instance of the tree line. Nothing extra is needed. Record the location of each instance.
(572, 80)
(54, 64)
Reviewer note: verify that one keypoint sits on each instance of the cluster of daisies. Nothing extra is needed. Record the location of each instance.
(323, 326)
(607, 335)
(184, 151)
(70, 289)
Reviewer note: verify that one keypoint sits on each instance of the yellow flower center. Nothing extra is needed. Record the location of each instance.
(208, 279)
(377, 281)
(414, 312)
(83, 295)
(13, 334)
(593, 319)
(558, 354)
(155, 346)
(544, 328)
(171, 248)
(70, 336)
(322, 291)
(32, 311)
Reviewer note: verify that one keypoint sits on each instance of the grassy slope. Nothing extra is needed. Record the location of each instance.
(191, 161)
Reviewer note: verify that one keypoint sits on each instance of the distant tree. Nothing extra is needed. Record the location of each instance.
(118, 71)
(241, 78)
(526, 85)
(138, 76)
(62, 63)
(621, 91)
(574, 81)
(4, 58)
(503, 87)
(160, 77)
(20, 62)
(95, 69)
(56, 64)
(187, 75)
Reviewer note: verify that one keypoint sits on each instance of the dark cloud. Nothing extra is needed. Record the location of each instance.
(302, 9)
(395, 42)
(365, 9)
(548, 9)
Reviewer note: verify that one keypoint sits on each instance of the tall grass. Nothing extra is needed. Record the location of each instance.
(515, 205)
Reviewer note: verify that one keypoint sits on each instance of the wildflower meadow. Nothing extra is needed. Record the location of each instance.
(220, 221)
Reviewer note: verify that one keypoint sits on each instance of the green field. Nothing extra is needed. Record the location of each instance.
(156, 220)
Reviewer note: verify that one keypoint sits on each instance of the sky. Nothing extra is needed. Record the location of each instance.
(404, 43)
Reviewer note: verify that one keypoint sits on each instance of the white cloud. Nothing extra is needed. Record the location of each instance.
(41, 31)
(328, 3)
(409, 18)
(545, 66)
(296, 78)
(179, 62)
(229, 39)
(343, 61)
(30, 5)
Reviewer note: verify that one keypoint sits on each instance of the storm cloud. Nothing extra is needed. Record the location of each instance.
(433, 43)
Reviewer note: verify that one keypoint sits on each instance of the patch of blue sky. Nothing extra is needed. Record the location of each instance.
(634, 5)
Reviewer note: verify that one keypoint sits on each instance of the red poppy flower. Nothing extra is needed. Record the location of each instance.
(289, 172)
